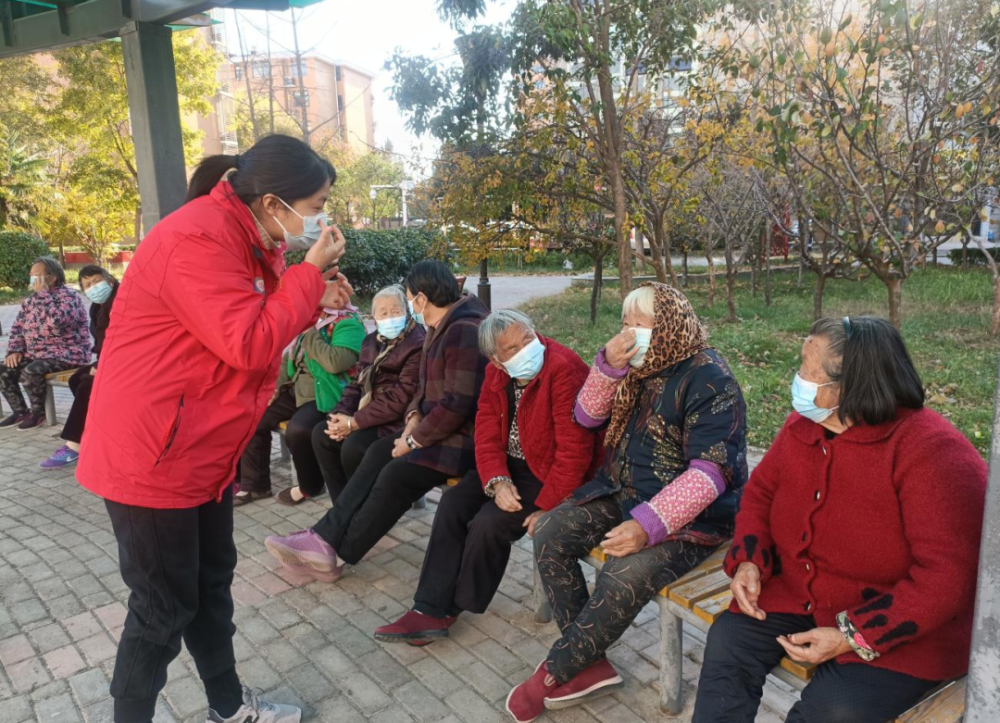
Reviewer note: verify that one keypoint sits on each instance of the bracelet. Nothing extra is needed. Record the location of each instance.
(410, 442)
(350, 424)
(854, 638)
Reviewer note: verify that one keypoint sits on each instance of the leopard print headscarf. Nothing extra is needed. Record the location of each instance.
(677, 335)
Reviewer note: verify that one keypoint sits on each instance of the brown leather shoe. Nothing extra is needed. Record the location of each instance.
(285, 497)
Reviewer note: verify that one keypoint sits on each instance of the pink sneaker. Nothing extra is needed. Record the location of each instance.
(527, 701)
(306, 553)
(599, 679)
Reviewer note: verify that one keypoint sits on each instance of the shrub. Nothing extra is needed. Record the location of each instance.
(17, 251)
(376, 259)
(975, 256)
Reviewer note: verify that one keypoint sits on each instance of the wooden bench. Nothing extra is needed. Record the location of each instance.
(55, 379)
(700, 597)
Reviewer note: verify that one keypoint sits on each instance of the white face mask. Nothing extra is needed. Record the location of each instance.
(643, 337)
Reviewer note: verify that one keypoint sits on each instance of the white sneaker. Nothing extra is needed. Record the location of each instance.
(255, 710)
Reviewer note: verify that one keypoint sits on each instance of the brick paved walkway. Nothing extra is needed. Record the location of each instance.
(61, 610)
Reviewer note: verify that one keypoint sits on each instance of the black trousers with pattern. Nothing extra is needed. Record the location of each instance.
(741, 651)
(31, 373)
(591, 622)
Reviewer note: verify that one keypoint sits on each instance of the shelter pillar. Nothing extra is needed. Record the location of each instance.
(156, 119)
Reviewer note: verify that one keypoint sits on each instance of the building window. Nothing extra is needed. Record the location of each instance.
(299, 68)
(239, 72)
(338, 73)
(340, 102)
(261, 69)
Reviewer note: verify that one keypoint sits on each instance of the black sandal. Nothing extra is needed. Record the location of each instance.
(285, 497)
(240, 500)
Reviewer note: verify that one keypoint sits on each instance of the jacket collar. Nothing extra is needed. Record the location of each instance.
(468, 306)
(811, 433)
(501, 379)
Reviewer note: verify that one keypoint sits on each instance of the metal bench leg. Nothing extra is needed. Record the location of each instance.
(543, 611)
(671, 657)
(285, 452)
(420, 504)
(50, 406)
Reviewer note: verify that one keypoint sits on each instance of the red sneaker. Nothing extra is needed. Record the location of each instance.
(415, 628)
(599, 679)
(527, 701)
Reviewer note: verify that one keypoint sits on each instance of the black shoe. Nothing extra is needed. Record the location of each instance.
(245, 499)
(13, 420)
(31, 421)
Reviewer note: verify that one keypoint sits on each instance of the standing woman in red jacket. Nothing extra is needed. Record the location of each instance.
(188, 365)
(857, 542)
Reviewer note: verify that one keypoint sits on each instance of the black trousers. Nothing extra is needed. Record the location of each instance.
(81, 384)
(178, 565)
(591, 622)
(255, 464)
(379, 492)
(470, 544)
(31, 373)
(740, 652)
(338, 461)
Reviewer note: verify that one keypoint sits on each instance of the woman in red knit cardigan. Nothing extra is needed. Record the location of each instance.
(856, 545)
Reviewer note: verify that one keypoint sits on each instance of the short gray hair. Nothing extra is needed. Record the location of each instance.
(496, 324)
(396, 293)
(52, 268)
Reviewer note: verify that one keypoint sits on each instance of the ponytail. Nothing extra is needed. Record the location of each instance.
(276, 164)
(208, 174)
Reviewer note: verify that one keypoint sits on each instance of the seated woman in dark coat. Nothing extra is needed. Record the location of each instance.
(100, 287)
(372, 406)
(665, 499)
(857, 542)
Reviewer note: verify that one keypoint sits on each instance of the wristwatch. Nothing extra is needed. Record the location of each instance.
(410, 443)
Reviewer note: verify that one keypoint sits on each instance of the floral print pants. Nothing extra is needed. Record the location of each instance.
(30, 373)
(592, 622)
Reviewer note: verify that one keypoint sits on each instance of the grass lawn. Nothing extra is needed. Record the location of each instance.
(945, 320)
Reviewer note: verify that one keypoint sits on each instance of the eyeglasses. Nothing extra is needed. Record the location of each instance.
(847, 326)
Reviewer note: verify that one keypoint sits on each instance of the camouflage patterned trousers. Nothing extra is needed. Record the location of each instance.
(30, 373)
(590, 623)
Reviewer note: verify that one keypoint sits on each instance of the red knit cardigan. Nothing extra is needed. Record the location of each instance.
(559, 452)
(883, 522)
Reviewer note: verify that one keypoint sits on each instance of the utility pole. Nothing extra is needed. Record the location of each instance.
(246, 76)
(302, 84)
(270, 75)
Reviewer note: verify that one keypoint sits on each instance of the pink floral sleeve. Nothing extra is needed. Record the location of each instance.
(594, 402)
(680, 502)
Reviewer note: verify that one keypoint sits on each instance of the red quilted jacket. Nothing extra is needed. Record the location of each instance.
(883, 522)
(559, 452)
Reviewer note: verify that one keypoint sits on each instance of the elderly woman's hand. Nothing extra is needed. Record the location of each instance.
(620, 349)
(531, 521)
(507, 498)
(746, 590)
(815, 646)
(13, 359)
(624, 540)
(338, 426)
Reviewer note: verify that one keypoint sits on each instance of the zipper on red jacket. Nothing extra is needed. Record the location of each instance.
(173, 432)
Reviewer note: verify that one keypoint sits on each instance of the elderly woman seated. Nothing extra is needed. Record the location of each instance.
(314, 372)
(530, 457)
(856, 544)
(372, 407)
(664, 500)
(50, 334)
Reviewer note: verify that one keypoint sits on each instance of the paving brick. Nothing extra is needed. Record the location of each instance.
(473, 709)
(485, 681)
(436, 677)
(49, 637)
(16, 710)
(27, 675)
(98, 648)
(338, 710)
(82, 626)
(380, 665)
(420, 702)
(394, 714)
(28, 611)
(90, 686)
(311, 685)
(363, 692)
(283, 655)
(60, 709)
(497, 657)
(15, 649)
(64, 662)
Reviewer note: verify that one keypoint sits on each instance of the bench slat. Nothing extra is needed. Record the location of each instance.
(711, 608)
(945, 706)
(690, 592)
(804, 671)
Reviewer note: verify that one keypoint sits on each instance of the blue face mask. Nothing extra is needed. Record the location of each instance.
(417, 316)
(526, 364)
(312, 229)
(99, 292)
(804, 400)
(392, 327)
(642, 339)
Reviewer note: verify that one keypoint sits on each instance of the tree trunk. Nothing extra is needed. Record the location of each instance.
(621, 233)
(767, 266)
(595, 291)
(965, 253)
(730, 285)
(894, 286)
(754, 267)
(995, 320)
(655, 250)
(670, 270)
(803, 247)
(684, 266)
(818, 296)
(711, 277)
(137, 224)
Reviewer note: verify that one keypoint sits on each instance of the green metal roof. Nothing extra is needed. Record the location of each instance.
(28, 26)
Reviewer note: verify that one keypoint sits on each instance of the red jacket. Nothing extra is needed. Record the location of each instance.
(883, 522)
(559, 452)
(191, 357)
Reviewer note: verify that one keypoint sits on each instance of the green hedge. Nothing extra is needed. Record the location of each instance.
(376, 259)
(17, 251)
(975, 256)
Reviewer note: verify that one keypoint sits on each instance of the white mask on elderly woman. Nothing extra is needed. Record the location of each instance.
(643, 337)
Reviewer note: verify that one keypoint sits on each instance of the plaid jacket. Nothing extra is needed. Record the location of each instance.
(451, 374)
